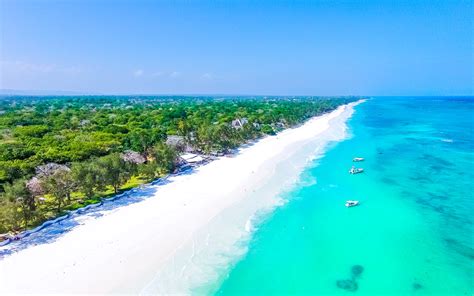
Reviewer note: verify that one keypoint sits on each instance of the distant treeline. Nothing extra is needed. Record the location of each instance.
(59, 153)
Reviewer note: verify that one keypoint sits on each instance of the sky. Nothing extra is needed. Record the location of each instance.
(238, 47)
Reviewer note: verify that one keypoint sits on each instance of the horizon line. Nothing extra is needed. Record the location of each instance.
(62, 93)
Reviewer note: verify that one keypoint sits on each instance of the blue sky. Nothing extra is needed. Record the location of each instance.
(238, 47)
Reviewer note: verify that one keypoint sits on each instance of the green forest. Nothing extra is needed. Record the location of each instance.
(63, 153)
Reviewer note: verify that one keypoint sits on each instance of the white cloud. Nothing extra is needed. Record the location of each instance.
(207, 76)
(175, 74)
(138, 73)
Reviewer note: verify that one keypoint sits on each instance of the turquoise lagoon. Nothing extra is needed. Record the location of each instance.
(412, 233)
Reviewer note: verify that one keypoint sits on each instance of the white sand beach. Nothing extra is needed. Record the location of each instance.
(172, 242)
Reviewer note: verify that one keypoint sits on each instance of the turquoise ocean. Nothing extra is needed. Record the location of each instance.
(413, 232)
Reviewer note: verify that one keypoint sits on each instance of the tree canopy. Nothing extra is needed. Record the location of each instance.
(104, 142)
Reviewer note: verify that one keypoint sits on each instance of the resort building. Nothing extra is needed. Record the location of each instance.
(239, 123)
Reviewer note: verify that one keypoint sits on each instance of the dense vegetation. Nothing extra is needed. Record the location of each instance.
(59, 153)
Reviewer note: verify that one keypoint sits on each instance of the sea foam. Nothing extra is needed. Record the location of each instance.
(199, 267)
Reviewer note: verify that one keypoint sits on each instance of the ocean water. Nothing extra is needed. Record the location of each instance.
(413, 231)
(199, 266)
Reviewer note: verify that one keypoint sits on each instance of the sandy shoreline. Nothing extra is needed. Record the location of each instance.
(142, 247)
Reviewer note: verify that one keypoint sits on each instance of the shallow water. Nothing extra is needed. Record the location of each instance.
(412, 233)
(199, 266)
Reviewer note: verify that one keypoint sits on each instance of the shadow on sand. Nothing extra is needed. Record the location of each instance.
(51, 230)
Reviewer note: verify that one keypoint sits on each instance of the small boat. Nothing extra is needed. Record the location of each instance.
(357, 159)
(355, 170)
(352, 203)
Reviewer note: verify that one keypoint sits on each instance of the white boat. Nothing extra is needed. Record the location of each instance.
(357, 159)
(352, 203)
(355, 170)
